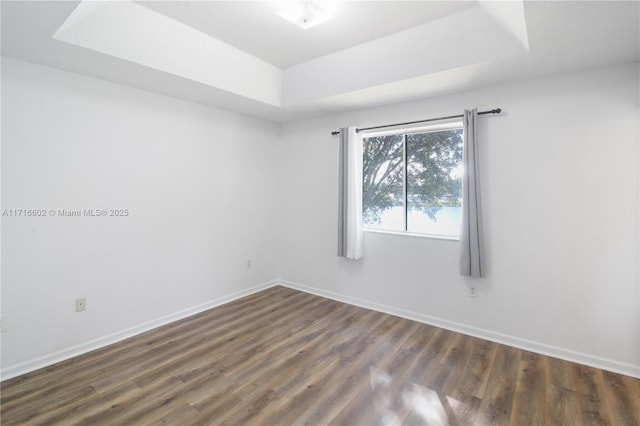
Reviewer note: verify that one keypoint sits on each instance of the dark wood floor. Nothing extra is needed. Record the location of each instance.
(285, 357)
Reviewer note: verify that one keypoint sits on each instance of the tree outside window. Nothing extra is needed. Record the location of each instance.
(413, 182)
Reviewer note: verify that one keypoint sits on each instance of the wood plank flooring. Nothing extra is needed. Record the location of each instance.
(282, 357)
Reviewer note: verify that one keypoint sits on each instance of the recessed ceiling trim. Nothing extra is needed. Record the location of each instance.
(129, 31)
(564, 36)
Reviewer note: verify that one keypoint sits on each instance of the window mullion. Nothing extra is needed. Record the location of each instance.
(405, 203)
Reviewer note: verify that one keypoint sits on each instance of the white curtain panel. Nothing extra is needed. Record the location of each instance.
(350, 236)
(471, 237)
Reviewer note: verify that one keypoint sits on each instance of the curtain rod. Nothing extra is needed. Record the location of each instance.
(493, 111)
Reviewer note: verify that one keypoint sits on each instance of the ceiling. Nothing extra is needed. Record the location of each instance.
(254, 27)
(240, 56)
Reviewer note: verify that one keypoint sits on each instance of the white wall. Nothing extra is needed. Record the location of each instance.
(561, 196)
(561, 206)
(198, 183)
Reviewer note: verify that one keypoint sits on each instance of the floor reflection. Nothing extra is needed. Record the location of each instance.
(395, 404)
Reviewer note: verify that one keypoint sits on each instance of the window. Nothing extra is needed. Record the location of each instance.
(412, 181)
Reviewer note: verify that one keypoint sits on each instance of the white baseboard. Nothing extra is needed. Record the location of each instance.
(541, 348)
(70, 352)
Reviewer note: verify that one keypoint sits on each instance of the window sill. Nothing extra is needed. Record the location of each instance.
(411, 234)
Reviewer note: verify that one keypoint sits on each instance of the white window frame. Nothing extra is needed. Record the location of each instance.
(408, 130)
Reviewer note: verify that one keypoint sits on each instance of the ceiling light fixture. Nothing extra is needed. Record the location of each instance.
(305, 14)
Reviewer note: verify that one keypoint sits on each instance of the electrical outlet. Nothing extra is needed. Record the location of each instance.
(473, 292)
(81, 304)
(249, 264)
